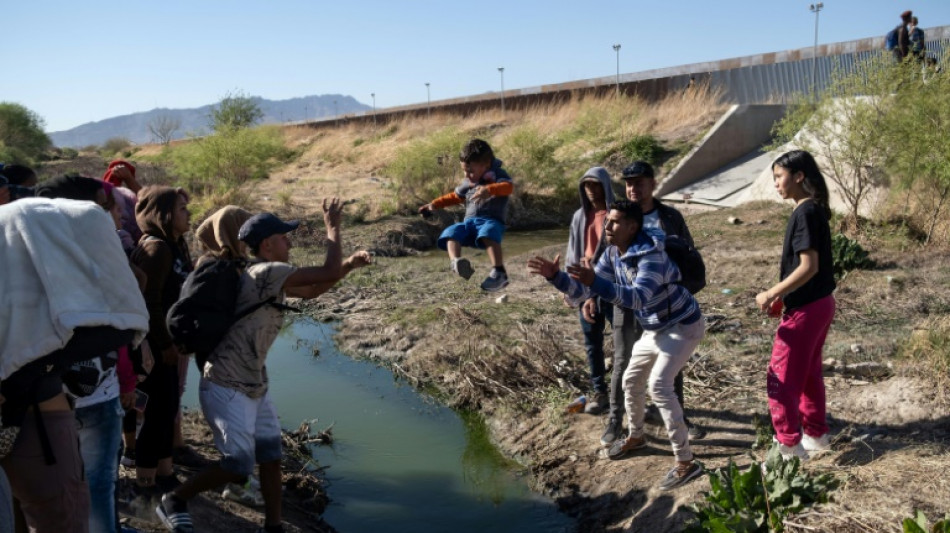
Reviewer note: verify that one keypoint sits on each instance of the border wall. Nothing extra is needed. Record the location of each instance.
(771, 77)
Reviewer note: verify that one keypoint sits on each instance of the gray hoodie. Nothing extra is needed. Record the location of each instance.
(575, 241)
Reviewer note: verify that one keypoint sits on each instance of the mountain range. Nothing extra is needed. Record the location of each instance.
(195, 121)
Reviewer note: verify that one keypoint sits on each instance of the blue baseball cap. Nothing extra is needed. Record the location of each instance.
(263, 225)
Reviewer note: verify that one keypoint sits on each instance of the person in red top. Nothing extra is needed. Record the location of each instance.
(587, 229)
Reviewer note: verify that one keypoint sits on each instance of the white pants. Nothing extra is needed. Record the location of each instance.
(658, 356)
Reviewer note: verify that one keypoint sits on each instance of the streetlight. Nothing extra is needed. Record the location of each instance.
(815, 8)
(374, 108)
(617, 49)
(428, 102)
(501, 70)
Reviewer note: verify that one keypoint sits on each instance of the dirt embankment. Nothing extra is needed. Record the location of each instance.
(304, 500)
(520, 359)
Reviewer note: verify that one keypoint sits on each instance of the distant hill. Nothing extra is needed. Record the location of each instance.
(195, 121)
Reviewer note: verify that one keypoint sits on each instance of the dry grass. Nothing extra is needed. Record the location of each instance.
(350, 160)
(889, 484)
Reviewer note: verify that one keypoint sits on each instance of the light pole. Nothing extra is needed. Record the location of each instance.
(501, 70)
(428, 102)
(815, 8)
(617, 49)
(374, 108)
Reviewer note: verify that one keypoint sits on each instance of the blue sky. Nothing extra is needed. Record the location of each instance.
(76, 62)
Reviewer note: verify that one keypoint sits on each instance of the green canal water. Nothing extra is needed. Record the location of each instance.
(400, 461)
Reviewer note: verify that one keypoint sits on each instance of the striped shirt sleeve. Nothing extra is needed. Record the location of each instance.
(634, 295)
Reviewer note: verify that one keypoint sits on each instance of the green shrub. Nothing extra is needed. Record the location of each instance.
(11, 155)
(113, 146)
(426, 168)
(848, 255)
(235, 111)
(753, 501)
(920, 524)
(69, 153)
(227, 159)
(532, 164)
(22, 135)
(642, 148)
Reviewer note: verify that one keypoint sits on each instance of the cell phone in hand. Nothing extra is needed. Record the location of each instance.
(141, 400)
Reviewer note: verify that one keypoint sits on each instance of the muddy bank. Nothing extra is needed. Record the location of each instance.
(517, 357)
(305, 491)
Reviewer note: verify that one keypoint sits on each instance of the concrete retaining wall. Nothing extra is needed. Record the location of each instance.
(741, 130)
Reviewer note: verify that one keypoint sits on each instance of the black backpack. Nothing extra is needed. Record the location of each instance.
(690, 262)
(207, 307)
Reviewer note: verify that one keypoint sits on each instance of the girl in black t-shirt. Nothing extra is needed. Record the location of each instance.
(795, 386)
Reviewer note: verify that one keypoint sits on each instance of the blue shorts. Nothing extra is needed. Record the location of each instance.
(470, 231)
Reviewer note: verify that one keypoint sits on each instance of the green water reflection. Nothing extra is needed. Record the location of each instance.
(400, 462)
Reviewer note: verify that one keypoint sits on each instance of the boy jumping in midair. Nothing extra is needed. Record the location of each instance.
(484, 192)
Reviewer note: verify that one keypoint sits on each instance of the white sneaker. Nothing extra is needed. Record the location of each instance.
(792, 451)
(816, 444)
(244, 494)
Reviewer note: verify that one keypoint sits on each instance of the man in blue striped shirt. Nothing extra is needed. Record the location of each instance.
(635, 273)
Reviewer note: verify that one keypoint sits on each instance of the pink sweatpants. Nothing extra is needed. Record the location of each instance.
(795, 385)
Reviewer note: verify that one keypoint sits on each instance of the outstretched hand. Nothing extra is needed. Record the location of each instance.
(359, 260)
(582, 272)
(544, 267)
(332, 212)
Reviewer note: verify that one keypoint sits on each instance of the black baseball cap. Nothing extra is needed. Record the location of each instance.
(637, 169)
(263, 225)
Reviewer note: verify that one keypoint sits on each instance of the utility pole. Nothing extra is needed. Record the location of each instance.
(815, 8)
(428, 102)
(501, 70)
(374, 109)
(617, 49)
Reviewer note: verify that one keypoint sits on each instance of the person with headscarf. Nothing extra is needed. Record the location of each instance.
(218, 234)
(218, 238)
(162, 215)
(121, 175)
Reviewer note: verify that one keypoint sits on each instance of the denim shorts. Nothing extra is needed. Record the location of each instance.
(246, 430)
(470, 231)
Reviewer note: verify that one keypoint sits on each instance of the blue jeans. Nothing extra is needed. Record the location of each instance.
(6, 504)
(594, 344)
(100, 437)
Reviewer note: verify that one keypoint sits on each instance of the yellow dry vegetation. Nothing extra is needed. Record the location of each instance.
(348, 160)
